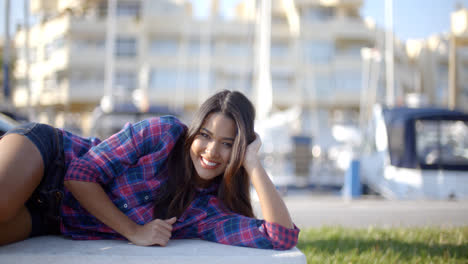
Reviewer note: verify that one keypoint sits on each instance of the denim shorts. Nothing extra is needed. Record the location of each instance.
(44, 204)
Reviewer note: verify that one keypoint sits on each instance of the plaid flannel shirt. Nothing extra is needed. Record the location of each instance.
(131, 167)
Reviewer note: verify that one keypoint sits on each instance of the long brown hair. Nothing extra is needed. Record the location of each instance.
(234, 183)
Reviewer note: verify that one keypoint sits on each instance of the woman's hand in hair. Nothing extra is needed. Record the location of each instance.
(156, 232)
(251, 159)
(273, 208)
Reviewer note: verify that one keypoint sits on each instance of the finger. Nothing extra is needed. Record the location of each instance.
(259, 139)
(254, 147)
(171, 221)
(162, 232)
(163, 242)
(160, 242)
(165, 225)
(159, 225)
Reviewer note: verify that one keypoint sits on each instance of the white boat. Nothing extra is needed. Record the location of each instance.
(416, 153)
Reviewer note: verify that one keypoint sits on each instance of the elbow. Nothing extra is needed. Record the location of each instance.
(286, 246)
(282, 238)
(286, 243)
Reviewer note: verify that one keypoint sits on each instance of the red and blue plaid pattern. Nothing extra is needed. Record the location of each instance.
(207, 218)
(131, 166)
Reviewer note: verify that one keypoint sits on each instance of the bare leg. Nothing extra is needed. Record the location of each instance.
(17, 229)
(21, 171)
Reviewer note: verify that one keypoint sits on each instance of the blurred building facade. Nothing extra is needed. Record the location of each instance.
(441, 62)
(161, 48)
(181, 59)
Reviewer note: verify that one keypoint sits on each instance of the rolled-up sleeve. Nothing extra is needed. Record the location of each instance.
(115, 154)
(238, 230)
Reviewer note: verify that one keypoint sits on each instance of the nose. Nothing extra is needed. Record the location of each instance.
(212, 149)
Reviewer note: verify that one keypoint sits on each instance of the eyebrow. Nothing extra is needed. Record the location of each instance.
(209, 132)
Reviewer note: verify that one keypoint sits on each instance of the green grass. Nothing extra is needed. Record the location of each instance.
(377, 245)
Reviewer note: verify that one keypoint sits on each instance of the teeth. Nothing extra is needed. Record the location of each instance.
(209, 163)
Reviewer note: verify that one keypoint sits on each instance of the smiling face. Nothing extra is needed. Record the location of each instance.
(212, 147)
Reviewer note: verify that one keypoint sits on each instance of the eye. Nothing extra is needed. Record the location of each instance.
(204, 135)
(227, 144)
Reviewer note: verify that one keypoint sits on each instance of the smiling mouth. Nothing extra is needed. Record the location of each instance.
(208, 164)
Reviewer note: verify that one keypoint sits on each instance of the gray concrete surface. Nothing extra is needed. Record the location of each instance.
(307, 209)
(54, 249)
(311, 210)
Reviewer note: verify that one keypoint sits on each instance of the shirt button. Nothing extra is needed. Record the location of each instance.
(125, 205)
(146, 197)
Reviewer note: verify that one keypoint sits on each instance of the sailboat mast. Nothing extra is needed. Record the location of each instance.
(264, 94)
(389, 54)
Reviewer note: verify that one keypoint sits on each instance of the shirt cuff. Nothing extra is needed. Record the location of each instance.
(282, 238)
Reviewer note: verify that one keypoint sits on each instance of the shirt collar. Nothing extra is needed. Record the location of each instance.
(212, 188)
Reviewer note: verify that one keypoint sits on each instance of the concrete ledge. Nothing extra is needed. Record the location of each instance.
(56, 249)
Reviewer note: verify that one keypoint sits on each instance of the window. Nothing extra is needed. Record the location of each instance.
(61, 76)
(317, 13)
(125, 81)
(102, 9)
(353, 50)
(33, 54)
(194, 47)
(279, 49)
(318, 51)
(192, 79)
(349, 81)
(319, 86)
(238, 82)
(21, 53)
(279, 20)
(48, 49)
(50, 83)
(59, 43)
(164, 46)
(128, 9)
(163, 78)
(163, 7)
(52, 46)
(280, 81)
(442, 83)
(94, 44)
(442, 143)
(396, 145)
(87, 79)
(236, 48)
(125, 47)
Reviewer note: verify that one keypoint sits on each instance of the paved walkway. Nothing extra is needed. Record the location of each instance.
(311, 210)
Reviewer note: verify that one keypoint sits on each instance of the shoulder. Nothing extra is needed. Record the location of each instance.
(161, 123)
(171, 120)
(164, 125)
(165, 121)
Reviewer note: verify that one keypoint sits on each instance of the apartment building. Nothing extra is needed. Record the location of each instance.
(177, 60)
(435, 59)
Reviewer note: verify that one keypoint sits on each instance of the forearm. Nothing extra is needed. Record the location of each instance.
(273, 207)
(93, 198)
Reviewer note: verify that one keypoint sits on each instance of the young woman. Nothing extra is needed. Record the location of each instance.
(152, 181)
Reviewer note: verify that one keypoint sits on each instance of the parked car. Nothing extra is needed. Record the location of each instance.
(6, 123)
